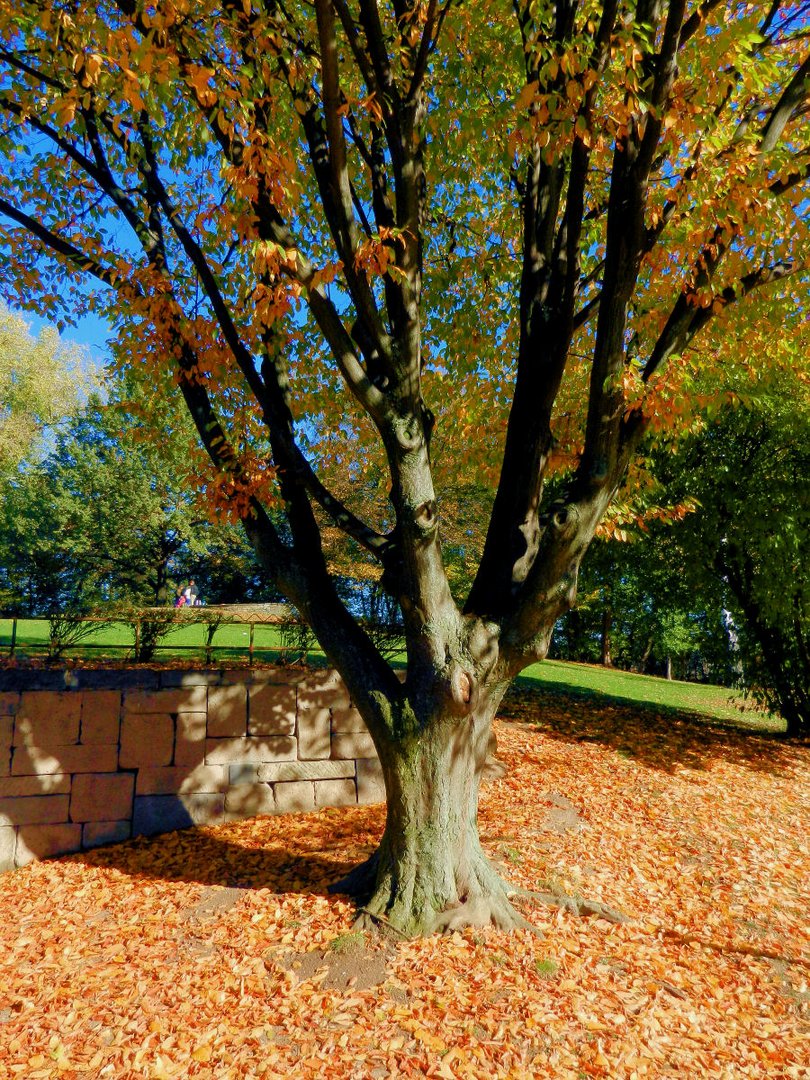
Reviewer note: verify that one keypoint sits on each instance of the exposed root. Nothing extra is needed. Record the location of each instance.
(575, 905)
(370, 920)
(482, 911)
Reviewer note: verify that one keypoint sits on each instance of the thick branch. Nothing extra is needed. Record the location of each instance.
(794, 94)
(687, 317)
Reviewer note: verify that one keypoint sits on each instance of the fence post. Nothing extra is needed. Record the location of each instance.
(13, 636)
(137, 639)
(250, 646)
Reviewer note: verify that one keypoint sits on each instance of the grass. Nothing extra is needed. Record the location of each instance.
(231, 641)
(115, 639)
(627, 688)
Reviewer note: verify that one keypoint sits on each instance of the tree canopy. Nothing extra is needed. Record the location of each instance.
(751, 538)
(109, 515)
(42, 381)
(470, 247)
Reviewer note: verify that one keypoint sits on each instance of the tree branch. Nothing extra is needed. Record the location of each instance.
(796, 92)
(687, 318)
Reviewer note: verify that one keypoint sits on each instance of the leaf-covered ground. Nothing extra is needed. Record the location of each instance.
(217, 953)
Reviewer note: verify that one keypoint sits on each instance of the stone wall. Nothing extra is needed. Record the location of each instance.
(90, 757)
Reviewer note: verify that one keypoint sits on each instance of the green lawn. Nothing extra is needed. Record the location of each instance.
(114, 640)
(231, 643)
(591, 680)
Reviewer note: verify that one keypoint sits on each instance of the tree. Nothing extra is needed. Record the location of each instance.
(41, 381)
(385, 231)
(758, 562)
(109, 516)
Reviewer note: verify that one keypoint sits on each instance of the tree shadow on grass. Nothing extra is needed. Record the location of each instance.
(660, 738)
(289, 853)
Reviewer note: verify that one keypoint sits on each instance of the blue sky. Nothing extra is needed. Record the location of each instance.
(90, 332)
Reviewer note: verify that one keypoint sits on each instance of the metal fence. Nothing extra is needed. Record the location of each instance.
(150, 630)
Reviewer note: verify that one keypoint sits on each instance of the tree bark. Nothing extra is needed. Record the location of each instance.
(430, 873)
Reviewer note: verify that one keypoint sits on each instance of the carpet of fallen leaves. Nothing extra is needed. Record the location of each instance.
(218, 953)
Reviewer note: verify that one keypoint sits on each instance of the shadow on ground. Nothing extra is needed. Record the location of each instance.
(301, 853)
(659, 738)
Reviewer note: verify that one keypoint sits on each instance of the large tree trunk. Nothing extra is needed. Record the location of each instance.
(430, 872)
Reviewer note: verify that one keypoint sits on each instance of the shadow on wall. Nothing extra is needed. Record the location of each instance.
(92, 762)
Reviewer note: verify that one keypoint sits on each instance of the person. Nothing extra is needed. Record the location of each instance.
(181, 597)
(193, 594)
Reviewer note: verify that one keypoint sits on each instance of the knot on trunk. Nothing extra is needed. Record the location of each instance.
(425, 516)
(463, 690)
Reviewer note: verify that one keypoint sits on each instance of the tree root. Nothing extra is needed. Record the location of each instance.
(490, 906)
(575, 905)
(481, 911)
(370, 920)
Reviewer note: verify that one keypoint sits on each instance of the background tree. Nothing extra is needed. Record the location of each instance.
(750, 538)
(109, 516)
(42, 380)
(639, 609)
(360, 224)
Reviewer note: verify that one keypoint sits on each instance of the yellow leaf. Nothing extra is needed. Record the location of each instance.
(203, 1053)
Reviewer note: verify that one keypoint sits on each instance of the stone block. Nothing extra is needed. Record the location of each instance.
(34, 810)
(6, 731)
(249, 749)
(102, 797)
(96, 833)
(271, 709)
(119, 679)
(249, 799)
(8, 842)
(205, 808)
(345, 721)
(295, 797)
(356, 744)
(71, 759)
(335, 793)
(237, 676)
(45, 841)
(174, 780)
(6, 734)
(15, 787)
(146, 739)
(154, 814)
(305, 770)
(9, 702)
(279, 676)
(48, 718)
(181, 699)
(189, 741)
(370, 783)
(227, 711)
(242, 774)
(100, 717)
(174, 679)
(324, 690)
(314, 734)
